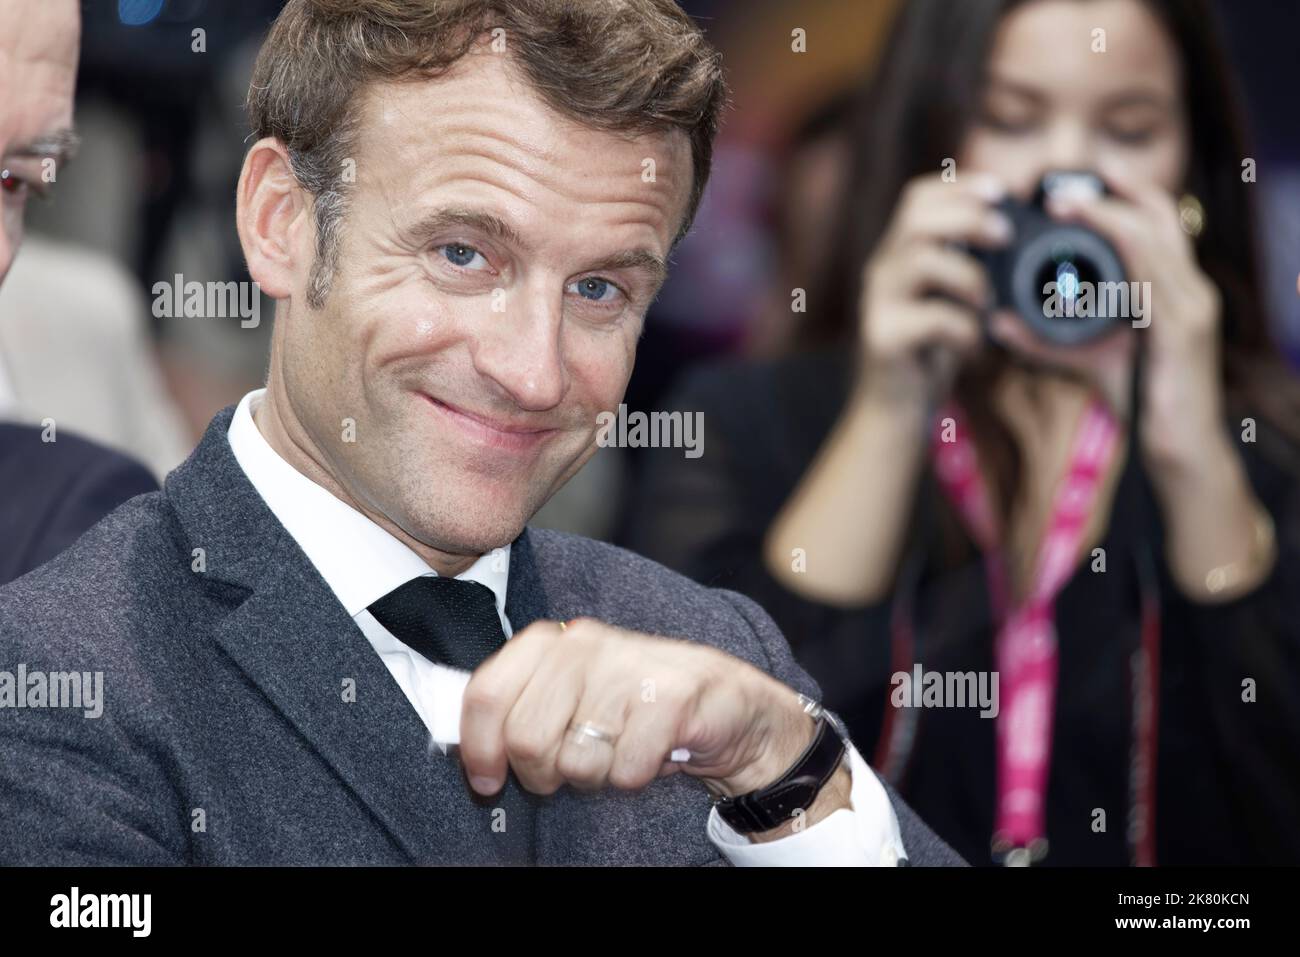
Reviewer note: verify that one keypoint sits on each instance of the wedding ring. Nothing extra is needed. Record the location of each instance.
(587, 729)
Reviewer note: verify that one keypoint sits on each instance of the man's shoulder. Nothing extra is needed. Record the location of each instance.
(608, 574)
(585, 577)
(103, 592)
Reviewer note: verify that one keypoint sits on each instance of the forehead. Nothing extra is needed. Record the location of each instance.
(1051, 42)
(38, 66)
(480, 135)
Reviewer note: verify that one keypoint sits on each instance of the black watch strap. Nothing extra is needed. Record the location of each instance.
(796, 790)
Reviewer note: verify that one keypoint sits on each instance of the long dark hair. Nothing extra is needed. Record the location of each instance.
(918, 110)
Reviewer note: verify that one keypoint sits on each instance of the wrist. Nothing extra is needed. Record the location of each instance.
(835, 795)
(812, 785)
(1186, 466)
(887, 388)
(787, 739)
(1182, 417)
(899, 413)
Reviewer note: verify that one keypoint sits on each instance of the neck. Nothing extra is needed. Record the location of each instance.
(1040, 408)
(284, 433)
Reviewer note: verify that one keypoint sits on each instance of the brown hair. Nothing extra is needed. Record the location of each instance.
(633, 66)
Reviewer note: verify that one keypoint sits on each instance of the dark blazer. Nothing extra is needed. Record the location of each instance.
(51, 492)
(227, 736)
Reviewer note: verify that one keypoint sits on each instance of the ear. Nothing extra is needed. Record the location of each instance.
(273, 216)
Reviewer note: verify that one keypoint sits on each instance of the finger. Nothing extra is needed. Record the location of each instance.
(1140, 192)
(580, 759)
(535, 727)
(489, 697)
(927, 268)
(648, 735)
(953, 212)
(932, 323)
(958, 220)
(985, 188)
(586, 760)
(1123, 224)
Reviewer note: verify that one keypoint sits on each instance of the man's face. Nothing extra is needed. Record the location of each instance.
(497, 261)
(38, 72)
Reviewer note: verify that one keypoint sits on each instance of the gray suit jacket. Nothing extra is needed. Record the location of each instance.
(227, 737)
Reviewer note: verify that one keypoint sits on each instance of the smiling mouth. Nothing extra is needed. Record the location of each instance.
(506, 436)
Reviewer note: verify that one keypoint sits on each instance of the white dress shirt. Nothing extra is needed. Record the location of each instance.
(362, 562)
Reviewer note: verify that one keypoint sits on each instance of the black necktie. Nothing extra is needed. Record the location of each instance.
(450, 621)
(454, 622)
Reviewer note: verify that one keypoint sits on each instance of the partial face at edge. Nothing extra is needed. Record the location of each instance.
(497, 262)
(38, 72)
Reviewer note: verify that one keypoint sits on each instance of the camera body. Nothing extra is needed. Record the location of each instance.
(1041, 276)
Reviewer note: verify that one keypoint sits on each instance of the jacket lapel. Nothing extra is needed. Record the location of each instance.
(288, 633)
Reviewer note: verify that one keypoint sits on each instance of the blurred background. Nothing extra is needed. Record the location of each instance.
(151, 195)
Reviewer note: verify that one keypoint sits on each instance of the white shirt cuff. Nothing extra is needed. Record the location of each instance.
(866, 836)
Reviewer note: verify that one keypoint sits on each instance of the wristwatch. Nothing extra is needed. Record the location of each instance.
(795, 791)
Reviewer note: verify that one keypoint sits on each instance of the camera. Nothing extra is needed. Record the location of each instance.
(1053, 273)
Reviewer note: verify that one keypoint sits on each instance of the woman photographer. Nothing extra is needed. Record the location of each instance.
(1112, 528)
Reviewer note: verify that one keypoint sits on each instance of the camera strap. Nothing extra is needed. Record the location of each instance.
(1025, 647)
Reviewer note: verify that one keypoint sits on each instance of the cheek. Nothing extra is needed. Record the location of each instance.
(600, 365)
(405, 323)
(1162, 163)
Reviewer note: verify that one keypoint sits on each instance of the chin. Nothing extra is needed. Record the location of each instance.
(471, 526)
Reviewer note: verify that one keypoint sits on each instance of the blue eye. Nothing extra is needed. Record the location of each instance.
(595, 289)
(459, 254)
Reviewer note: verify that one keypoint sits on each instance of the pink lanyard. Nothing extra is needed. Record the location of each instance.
(1025, 647)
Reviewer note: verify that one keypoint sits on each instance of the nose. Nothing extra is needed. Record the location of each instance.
(1071, 146)
(520, 350)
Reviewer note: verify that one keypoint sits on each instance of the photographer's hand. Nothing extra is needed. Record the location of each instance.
(918, 318)
(1213, 518)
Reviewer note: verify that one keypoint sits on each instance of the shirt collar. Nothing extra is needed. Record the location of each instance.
(360, 561)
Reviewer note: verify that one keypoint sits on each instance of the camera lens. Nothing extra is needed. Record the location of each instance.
(1069, 271)
(1067, 281)
(1060, 277)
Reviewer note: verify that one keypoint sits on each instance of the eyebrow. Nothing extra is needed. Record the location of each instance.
(1134, 97)
(440, 219)
(1139, 98)
(425, 229)
(60, 145)
(642, 259)
(1005, 83)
